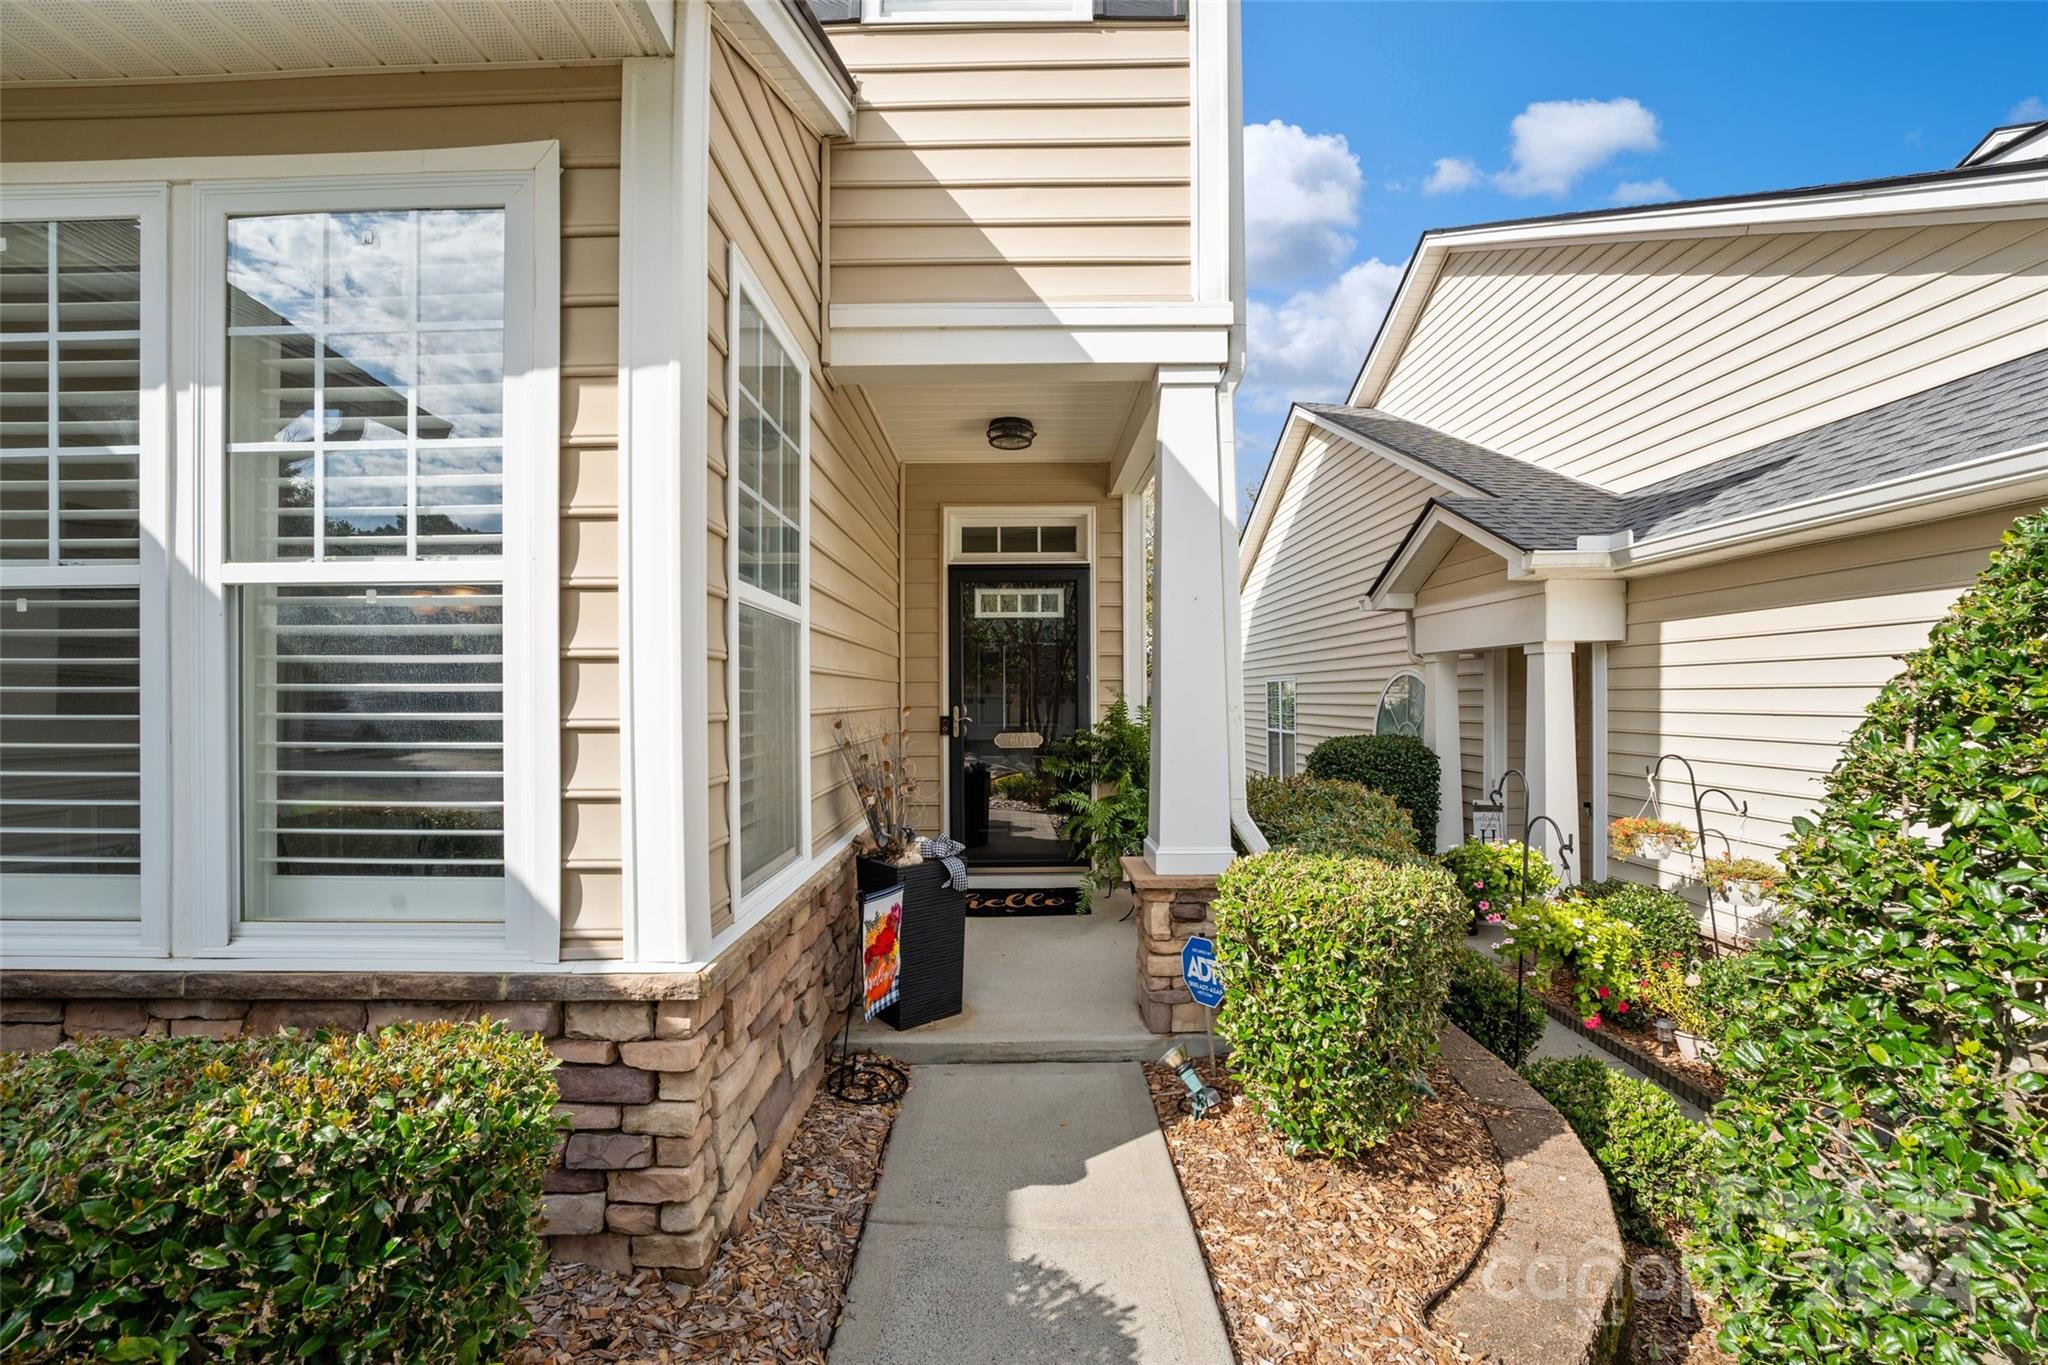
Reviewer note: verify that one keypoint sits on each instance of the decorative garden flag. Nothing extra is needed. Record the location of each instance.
(881, 955)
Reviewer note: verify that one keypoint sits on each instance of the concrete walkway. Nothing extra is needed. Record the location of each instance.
(1028, 1213)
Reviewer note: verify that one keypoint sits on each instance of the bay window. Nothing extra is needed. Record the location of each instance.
(767, 504)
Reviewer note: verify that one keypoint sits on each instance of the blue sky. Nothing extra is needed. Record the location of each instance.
(1369, 122)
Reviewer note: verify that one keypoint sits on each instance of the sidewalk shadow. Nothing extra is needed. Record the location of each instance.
(1070, 1321)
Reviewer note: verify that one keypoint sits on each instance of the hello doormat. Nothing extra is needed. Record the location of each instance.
(1014, 901)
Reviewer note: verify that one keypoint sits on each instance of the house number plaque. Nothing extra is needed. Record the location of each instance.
(1020, 739)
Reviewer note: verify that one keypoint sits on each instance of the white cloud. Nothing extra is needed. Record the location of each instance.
(1452, 173)
(1558, 141)
(1300, 194)
(1643, 192)
(2032, 109)
(1308, 347)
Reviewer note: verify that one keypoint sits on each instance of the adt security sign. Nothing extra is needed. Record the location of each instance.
(1198, 968)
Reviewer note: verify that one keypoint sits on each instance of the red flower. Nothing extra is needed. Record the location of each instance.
(1592, 1021)
(1601, 991)
(1621, 1008)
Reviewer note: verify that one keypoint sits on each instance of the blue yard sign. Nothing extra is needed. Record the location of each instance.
(1198, 968)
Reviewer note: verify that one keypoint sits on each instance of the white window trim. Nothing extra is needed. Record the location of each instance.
(1380, 701)
(750, 906)
(1073, 12)
(200, 893)
(149, 933)
(1272, 731)
(1082, 517)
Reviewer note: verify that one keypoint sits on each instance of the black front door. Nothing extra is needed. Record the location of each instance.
(1018, 686)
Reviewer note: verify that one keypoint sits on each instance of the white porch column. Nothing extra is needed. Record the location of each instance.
(1195, 565)
(1440, 689)
(1553, 757)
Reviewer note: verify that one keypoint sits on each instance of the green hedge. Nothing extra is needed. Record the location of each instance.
(1669, 929)
(1340, 819)
(1335, 971)
(345, 1198)
(1653, 1156)
(1883, 1152)
(1401, 766)
(1482, 1002)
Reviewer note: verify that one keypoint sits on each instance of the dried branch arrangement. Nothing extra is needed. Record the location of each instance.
(878, 766)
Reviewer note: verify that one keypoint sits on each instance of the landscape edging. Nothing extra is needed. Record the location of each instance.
(1549, 1287)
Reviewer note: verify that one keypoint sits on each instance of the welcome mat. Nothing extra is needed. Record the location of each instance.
(1007, 902)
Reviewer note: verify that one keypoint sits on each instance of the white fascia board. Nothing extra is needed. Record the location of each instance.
(1400, 461)
(2021, 194)
(2010, 476)
(1279, 469)
(657, 17)
(851, 317)
(1425, 547)
(778, 41)
(880, 356)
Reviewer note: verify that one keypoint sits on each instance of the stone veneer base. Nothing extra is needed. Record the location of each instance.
(681, 1089)
(1170, 911)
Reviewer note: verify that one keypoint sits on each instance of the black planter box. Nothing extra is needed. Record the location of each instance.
(933, 939)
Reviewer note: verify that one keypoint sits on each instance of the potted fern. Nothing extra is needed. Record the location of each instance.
(1105, 771)
(933, 938)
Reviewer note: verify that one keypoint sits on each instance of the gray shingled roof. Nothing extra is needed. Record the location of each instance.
(1995, 410)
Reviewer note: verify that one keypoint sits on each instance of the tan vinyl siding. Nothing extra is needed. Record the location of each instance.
(993, 163)
(929, 489)
(765, 194)
(578, 107)
(1758, 669)
(1342, 514)
(1629, 362)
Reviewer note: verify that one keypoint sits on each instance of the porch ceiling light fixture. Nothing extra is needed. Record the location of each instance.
(1011, 433)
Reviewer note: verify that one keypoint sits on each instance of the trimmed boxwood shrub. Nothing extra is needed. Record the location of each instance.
(1670, 930)
(1489, 875)
(1341, 819)
(345, 1198)
(1882, 1152)
(1335, 972)
(1400, 765)
(1653, 1156)
(1482, 1002)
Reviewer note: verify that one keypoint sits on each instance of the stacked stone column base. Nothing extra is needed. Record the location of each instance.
(1170, 911)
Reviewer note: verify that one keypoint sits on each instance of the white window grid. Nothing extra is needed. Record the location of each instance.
(1031, 604)
(1280, 738)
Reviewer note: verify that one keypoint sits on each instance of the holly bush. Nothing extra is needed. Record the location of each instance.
(1882, 1153)
(1341, 819)
(1335, 972)
(337, 1197)
(1400, 765)
(1483, 1003)
(1653, 1156)
(1489, 875)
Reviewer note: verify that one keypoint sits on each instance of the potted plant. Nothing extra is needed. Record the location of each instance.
(1746, 882)
(1646, 836)
(933, 937)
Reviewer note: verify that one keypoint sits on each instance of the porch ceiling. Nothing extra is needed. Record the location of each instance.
(948, 423)
(64, 41)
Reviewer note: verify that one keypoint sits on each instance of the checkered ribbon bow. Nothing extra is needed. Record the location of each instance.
(947, 851)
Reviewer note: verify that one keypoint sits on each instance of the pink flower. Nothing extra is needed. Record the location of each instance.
(1493, 919)
(1486, 905)
(1478, 886)
(1592, 1021)
(1601, 991)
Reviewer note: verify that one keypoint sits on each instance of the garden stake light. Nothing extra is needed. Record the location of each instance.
(1202, 1096)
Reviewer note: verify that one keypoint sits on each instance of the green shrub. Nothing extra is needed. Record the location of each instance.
(1670, 930)
(1604, 954)
(1400, 765)
(1882, 1151)
(1653, 1156)
(1489, 875)
(1100, 779)
(1341, 819)
(372, 1198)
(1719, 988)
(1335, 972)
(1482, 1002)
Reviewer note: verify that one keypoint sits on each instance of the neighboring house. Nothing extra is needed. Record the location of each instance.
(462, 461)
(1679, 479)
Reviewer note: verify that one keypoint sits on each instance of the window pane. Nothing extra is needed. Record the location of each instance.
(1400, 711)
(1059, 540)
(70, 380)
(1019, 540)
(771, 733)
(769, 463)
(357, 330)
(70, 698)
(373, 752)
(978, 540)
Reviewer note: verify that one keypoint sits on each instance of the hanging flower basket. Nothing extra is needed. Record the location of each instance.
(1747, 883)
(1646, 837)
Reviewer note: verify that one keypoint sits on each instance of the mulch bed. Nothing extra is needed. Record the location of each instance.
(775, 1290)
(1316, 1260)
(1664, 1322)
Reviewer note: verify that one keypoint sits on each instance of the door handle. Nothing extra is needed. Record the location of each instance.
(958, 722)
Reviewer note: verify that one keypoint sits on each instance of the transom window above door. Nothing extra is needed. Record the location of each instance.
(1019, 537)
